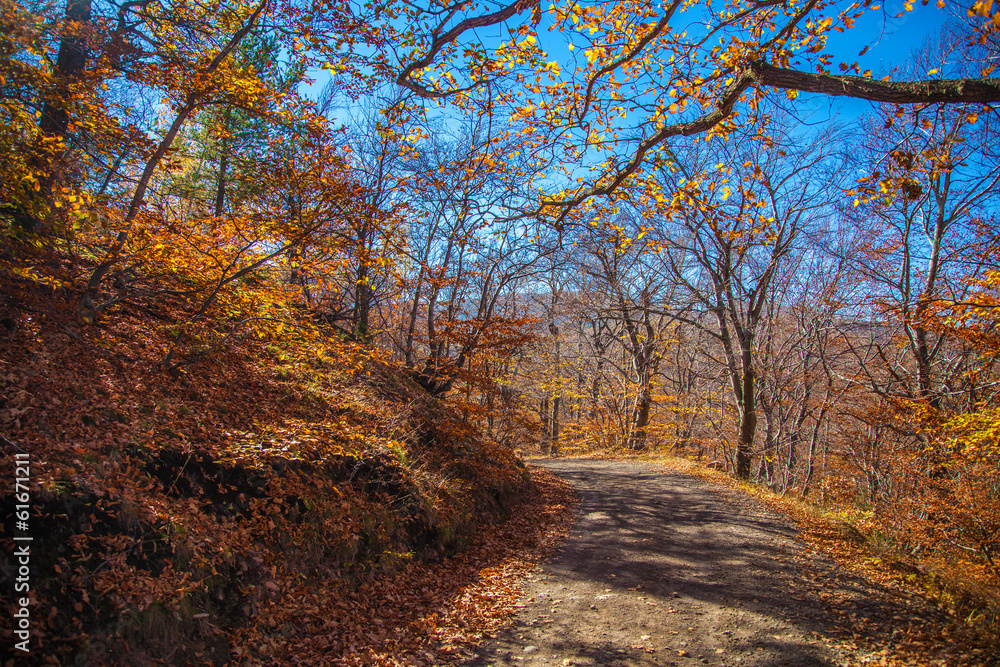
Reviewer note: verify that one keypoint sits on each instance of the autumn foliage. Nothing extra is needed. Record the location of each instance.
(174, 510)
(286, 283)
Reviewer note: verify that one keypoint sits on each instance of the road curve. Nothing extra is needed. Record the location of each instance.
(662, 568)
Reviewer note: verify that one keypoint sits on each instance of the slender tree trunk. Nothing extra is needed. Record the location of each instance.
(747, 411)
(924, 379)
(411, 328)
(554, 442)
(557, 397)
(543, 413)
(794, 438)
(220, 184)
(744, 446)
(818, 426)
(744, 386)
(792, 461)
(362, 304)
(767, 459)
(595, 389)
(810, 462)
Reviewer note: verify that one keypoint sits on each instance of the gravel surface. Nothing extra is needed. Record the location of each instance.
(662, 568)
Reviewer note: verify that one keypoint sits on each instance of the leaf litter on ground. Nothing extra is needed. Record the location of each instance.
(428, 613)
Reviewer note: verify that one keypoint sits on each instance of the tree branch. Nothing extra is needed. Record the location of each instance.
(952, 91)
(440, 41)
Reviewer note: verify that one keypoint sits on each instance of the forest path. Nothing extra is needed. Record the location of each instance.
(662, 568)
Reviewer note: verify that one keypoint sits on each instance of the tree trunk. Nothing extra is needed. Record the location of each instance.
(71, 63)
(220, 184)
(767, 469)
(554, 441)
(543, 413)
(362, 305)
(745, 386)
(793, 459)
(640, 420)
(595, 389)
(744, 446)
(811, 459)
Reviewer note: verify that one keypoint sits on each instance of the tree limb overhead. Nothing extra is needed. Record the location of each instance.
(953, 91)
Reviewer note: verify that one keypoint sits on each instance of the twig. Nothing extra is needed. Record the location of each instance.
(13, 444)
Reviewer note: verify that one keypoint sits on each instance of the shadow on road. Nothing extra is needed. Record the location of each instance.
(659, 569)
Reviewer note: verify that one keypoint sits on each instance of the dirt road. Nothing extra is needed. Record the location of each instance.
(663, 569)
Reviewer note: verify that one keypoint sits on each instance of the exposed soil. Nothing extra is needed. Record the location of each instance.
(662, 568)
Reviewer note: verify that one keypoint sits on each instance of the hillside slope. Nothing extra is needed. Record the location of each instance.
(166, 510)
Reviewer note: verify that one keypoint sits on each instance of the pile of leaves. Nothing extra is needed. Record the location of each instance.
(173, 514)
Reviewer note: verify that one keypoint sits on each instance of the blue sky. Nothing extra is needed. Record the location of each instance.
(891, 41)
(892, 38)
